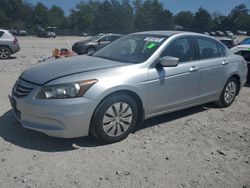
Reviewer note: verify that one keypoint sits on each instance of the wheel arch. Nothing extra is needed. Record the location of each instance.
(132, 94)
(6, 46)
(237, 77)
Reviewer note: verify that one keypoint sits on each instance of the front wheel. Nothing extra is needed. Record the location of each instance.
(114, 118)
(229, 93)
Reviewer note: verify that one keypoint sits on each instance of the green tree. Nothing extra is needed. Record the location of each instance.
(151, 15)
(203, 19)
(57, 18)
(41, 15)
(239, 17)
(185, 19)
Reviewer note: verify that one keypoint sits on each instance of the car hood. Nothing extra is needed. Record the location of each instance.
(45, 72)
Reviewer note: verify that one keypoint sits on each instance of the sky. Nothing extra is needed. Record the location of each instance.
(175, 6)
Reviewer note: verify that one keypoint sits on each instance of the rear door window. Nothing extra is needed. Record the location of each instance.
(207, 48)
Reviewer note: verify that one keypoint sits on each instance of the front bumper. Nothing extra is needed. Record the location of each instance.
(65, 118)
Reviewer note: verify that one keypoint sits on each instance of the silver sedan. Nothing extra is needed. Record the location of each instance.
(139, 76)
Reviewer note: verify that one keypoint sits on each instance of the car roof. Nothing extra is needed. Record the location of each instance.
(241, 47)
(163, 33)
(226, 39)
(4, 30)
(169, 33)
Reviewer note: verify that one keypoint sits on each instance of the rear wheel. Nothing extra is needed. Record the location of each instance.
(4, 52)
(114, 118)
(229, 93)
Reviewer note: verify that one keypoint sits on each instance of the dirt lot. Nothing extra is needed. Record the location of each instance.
(203, 146)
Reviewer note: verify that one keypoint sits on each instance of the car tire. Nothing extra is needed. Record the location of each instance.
(5, 52)
(91, 50)
(114, 118)
(228, 93)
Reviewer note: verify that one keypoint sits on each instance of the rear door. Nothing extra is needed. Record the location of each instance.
(212, 64)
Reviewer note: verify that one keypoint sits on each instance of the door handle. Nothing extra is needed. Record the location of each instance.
(225, 62)
(194, 68)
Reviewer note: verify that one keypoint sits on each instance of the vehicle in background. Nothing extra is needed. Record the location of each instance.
(228, 42)
(229, 34)
(212, 33)
(22, 33)
(14, 32)
(18, 32)
(8, 44)
(244, 51)
(239, 32)
(49, 32)
(84, 34)
(206, 33)
(94, 43)
(245, 41)
(139, 76)
(220, 33)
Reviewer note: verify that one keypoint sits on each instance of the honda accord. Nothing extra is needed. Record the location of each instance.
(139, 76)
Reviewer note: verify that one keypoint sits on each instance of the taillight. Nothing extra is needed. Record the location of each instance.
(15, 41)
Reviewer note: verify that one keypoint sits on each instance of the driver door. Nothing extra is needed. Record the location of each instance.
(171, 88)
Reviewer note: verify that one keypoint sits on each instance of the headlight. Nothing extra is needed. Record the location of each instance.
(67, 90)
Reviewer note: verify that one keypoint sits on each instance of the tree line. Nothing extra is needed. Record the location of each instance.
(119, 16)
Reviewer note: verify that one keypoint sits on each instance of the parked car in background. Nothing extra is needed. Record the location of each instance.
(212, 33)
(22, 33)
(18, 32)
(139, 76)
(245, 41)
(220, 33)
(206, 33)
(228, 42)
(49, 32)
(94, 43)
(84, 34)
(229, 34)
(8, 44)
(239, 32)
(244, 51)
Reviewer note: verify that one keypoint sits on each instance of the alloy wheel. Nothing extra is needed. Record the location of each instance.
(230, 92)
(117, 119)
(4, 53)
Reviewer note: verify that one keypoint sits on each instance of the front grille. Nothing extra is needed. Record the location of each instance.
(22, 88)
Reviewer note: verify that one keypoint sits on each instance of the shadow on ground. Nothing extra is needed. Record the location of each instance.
(248, 83)
(12, 131)
(10, 58)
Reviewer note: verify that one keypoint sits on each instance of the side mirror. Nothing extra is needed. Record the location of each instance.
(168, 61)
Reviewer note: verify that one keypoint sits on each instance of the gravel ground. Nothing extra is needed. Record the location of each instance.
(203, 146)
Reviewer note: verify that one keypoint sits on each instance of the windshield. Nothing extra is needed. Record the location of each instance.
(134, 48)
(96, 37)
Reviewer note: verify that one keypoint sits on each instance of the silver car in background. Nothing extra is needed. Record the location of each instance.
(139, 76)
(8, 44)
